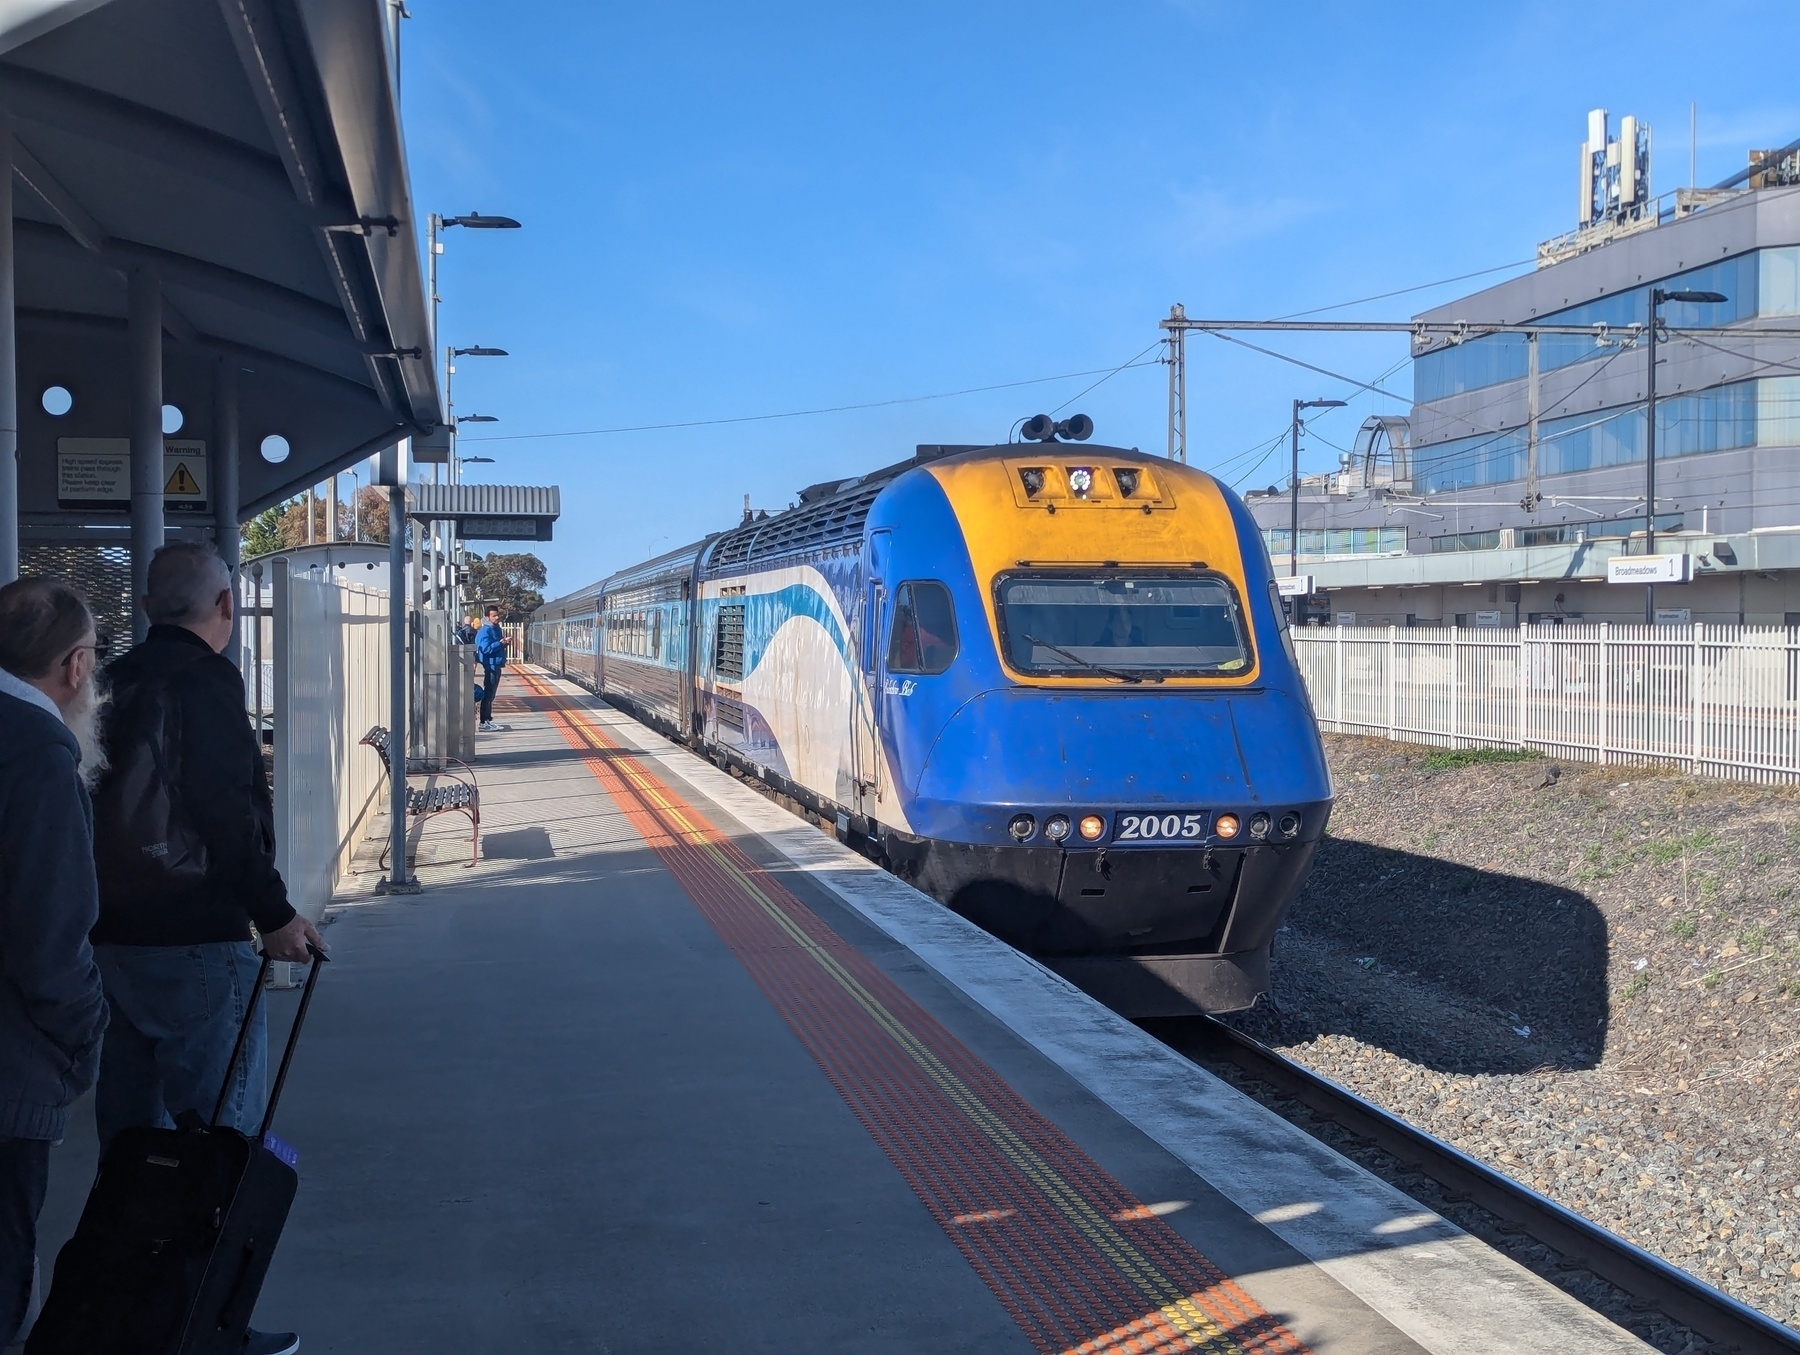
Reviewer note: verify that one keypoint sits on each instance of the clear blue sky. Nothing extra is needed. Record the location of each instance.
(748, 209)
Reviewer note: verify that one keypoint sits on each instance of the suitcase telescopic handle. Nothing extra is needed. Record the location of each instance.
(287, 1055)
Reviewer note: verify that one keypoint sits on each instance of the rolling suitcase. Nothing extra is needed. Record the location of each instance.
(178, 1231)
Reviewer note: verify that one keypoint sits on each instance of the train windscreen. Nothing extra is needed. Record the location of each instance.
(1134, 627)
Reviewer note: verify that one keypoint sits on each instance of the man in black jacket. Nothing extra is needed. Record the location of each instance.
(51, 1008)
(179, 968)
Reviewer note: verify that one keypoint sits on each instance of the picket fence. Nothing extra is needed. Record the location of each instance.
(1718, 700)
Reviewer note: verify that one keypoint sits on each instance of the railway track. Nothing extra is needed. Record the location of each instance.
(1652, 1283)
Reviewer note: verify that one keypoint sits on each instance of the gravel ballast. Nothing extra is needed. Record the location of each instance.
(1587, 977)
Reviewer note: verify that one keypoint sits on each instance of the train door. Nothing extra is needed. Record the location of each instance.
(865, 700)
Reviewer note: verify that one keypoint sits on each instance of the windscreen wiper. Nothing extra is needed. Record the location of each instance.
(1098, 668)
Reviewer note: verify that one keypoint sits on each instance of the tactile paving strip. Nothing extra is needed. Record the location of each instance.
(1080, 1264)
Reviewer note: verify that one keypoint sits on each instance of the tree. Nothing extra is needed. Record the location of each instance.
(511, 582)
(262, 535)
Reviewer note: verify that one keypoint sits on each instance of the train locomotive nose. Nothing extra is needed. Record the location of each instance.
(1110, 771)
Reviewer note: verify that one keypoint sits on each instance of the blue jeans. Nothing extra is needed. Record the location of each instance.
(490, 680)
(175, 1015)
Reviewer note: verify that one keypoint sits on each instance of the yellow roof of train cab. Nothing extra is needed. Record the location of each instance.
(1061, 505)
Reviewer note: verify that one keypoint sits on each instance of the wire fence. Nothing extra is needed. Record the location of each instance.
(1717, 700)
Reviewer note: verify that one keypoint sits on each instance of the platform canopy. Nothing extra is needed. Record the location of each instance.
(210, 197)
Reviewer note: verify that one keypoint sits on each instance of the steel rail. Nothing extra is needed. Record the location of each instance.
(1584, 1245)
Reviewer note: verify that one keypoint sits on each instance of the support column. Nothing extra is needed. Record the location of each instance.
(145, 365)
(227, 535)
(398, 878)
(9, 372)
(331, 509)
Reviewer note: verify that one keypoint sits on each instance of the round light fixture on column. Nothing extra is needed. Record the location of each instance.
(57, 401)
(275, 449)
(173, 418)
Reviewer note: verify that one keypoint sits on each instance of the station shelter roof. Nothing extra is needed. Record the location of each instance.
(248, 154)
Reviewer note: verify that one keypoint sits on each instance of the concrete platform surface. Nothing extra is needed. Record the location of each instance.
(671, 1069)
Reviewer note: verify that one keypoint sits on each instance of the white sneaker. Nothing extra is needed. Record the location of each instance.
(489, 725)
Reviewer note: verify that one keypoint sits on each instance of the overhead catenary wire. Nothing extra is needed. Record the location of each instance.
(1105, 373)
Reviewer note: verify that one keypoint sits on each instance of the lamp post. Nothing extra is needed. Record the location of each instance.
(453, 547)
(439, 223)
(473, 221)
(1294, 484)
(1657, 297)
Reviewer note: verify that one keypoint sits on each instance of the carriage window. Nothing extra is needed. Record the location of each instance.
(1130, 626)
(923, 636)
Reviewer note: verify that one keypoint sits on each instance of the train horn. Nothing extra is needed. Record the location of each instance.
(1076, 428)
(1039, 428)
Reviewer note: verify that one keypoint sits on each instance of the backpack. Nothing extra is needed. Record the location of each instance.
(145, 844)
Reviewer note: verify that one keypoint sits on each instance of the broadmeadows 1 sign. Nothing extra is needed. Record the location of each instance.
(1650, 569)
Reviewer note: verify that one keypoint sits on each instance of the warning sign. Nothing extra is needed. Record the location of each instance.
(96, 473)
(182, 482)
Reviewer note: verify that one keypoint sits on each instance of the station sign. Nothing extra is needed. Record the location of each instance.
(95, 473)
(1344, 618)
(1650, 569)
(1674, 616)
(1493, 618)
(1295, 586)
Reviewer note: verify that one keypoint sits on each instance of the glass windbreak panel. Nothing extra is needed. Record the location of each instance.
(1128, 626)
(923, 635)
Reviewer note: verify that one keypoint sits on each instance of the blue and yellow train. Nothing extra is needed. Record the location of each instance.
(1049, 684)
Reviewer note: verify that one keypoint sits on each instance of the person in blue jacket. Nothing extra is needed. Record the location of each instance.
(490, 653)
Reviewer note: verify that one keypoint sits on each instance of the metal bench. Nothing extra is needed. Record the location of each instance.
(453, 791)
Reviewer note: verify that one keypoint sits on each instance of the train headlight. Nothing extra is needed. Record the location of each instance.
(1056, 827)
(1092, 826)
(1290, 824)
(1022, 827)
(1032, 477)
(1226, 825)
(1081, 482)
(1259, 825)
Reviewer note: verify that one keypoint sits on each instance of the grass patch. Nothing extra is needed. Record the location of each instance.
(1673, 849)
(1637, 987)
(1712, 980)
(1683, 927)
(1754, 939)
(1444, 759)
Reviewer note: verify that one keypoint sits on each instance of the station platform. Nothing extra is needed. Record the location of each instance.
(670, 1069)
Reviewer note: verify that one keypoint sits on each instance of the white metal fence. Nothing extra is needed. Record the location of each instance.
(1718, 700)
(329, 656)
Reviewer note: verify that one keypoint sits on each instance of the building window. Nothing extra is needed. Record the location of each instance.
(1466, 541)
(1763, 282)
(1339, 540)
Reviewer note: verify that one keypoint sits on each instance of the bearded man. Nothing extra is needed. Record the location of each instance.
(52, 1012)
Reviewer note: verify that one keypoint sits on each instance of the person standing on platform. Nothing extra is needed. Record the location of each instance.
(174, 944)
(52, 1011)
(465, 633)
(490, 651)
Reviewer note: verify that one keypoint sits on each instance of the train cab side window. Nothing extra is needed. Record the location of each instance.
(923, 636)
